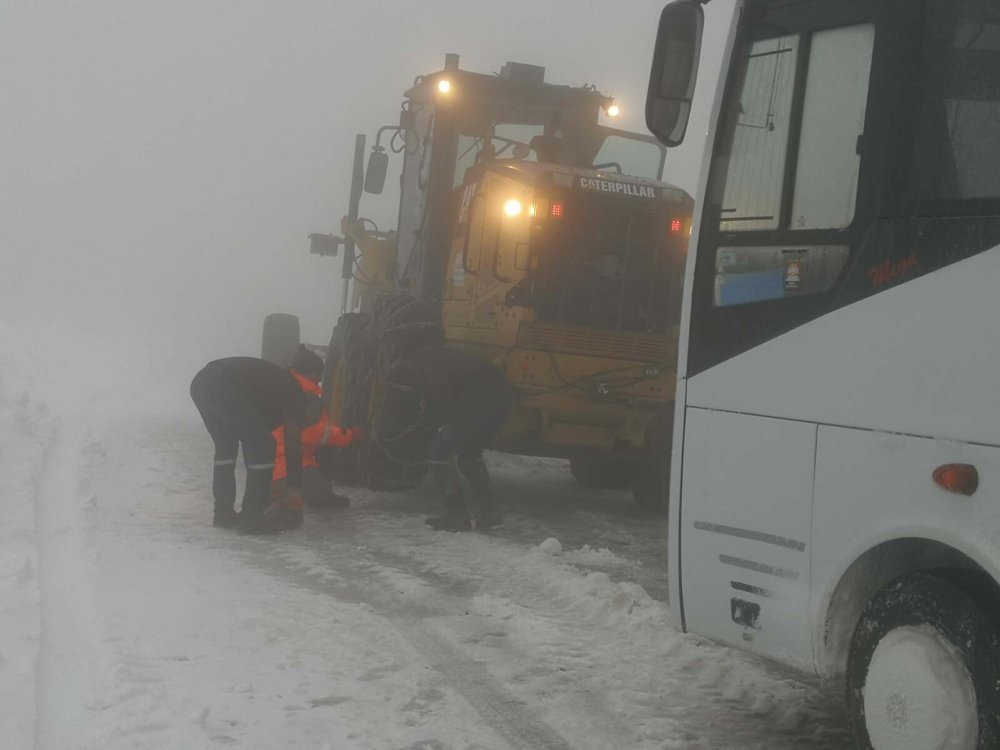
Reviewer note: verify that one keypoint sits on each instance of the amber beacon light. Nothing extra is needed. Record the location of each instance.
(962, 479)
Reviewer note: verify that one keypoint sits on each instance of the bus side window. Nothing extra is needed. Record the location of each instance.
(833, 120)
(957, 155)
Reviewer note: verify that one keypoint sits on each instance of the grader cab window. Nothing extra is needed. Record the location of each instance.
(508, 142)
(631, 156)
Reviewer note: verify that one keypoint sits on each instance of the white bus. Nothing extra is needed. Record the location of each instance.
(835, 488)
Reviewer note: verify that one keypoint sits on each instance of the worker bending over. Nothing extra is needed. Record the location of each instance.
(242, 400)
(467, 399)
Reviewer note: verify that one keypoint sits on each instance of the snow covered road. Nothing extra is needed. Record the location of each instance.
(129, 622)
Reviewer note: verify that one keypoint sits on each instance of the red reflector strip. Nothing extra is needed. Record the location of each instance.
(675, 225)
(557, 209)
(962, 479)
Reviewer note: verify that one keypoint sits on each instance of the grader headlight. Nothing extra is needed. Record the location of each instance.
(513, 207)
(444, 86)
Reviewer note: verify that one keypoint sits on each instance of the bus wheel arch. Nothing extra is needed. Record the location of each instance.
(875, 570)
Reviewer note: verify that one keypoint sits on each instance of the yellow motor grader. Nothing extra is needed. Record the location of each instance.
(539, 237)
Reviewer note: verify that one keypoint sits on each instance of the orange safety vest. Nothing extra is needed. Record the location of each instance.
(323, 432)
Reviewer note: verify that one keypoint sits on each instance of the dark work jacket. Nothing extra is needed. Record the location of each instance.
(275, 393)
(440, 374)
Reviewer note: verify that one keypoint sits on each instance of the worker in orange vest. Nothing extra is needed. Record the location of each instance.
(316, 491)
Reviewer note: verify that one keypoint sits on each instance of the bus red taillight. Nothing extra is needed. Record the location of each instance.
(962, 479)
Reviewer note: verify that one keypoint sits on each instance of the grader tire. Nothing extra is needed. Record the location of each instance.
(601, 472)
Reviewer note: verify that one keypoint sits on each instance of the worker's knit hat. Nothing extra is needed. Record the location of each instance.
(307, 362)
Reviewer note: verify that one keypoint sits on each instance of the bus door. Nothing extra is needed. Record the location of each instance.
(776, 238)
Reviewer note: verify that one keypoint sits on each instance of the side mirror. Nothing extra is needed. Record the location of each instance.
(324, 245)
(378, 164)
(674, 71)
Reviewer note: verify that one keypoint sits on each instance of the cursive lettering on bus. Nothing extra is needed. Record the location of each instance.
(887, 271)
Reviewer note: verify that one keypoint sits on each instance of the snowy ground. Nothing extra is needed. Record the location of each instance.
(126, 621)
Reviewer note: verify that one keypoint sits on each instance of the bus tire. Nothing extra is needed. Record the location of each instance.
(280, 339)
(924, 666)
(600, 472)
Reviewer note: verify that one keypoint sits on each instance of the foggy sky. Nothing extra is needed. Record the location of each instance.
(161, 164)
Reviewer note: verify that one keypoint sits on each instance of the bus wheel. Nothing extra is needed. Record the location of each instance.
(281, 338)
(924, 668)
(601, 472)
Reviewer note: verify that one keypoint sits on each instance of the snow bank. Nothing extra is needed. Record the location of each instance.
(25, 433)
(52, 379)
(594, 558)
(550, 546)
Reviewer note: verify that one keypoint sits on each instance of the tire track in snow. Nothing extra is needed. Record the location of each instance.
(496, 705)
(499, 709)
(703, 693)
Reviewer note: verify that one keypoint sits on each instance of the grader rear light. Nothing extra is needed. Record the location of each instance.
(675, 226)
(444, 86)
(557, 209)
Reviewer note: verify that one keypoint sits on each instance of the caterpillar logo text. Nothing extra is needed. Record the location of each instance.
(623, 188)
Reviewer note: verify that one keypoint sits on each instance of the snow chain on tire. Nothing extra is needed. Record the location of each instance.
(363, 349)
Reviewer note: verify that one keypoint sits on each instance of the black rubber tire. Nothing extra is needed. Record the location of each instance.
(601, 472)
(651, 485)
(280, 339)
(651, 480)
(948, 602)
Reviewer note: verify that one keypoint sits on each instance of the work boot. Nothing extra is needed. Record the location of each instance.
(256, 499)
(488, 520)
(224, 483)
(331, 501)
(485, 515)
(257, 525)
(283, 517)
(225, 518)
(444, 483)
(318, 493)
